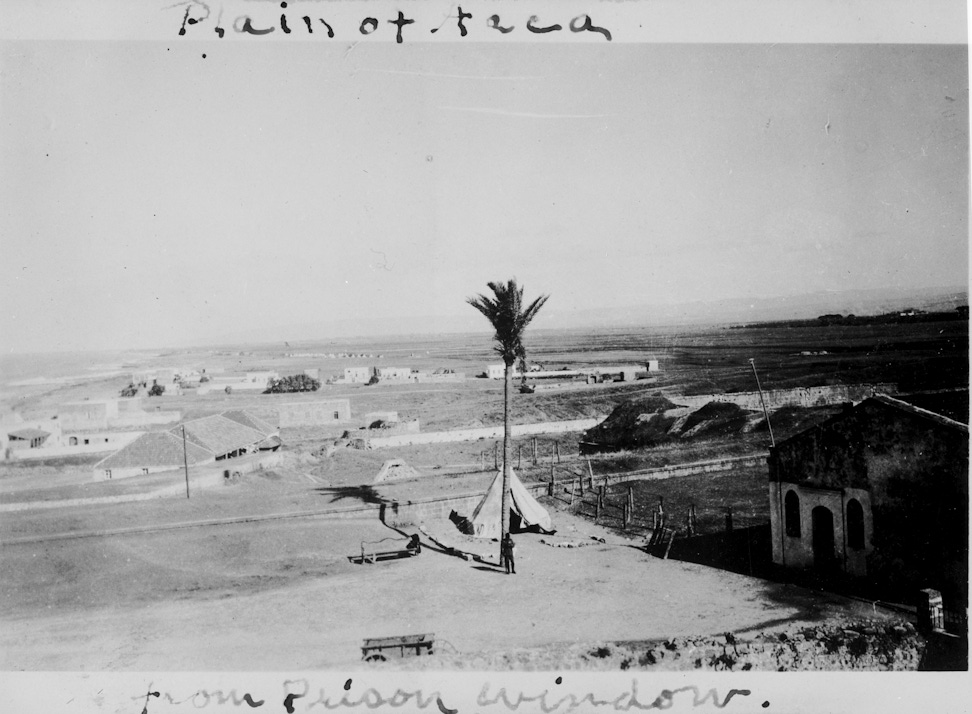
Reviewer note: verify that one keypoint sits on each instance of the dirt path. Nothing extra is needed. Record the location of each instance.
(600, 592)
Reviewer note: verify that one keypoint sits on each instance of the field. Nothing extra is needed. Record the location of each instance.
(176, 583)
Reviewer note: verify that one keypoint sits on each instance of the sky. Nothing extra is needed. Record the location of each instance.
(150, 196)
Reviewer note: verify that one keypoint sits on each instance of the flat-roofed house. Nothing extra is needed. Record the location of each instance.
(358, 374)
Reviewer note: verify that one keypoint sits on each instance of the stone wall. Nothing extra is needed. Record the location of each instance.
(861, 645)
(489, 432)
(796, 397)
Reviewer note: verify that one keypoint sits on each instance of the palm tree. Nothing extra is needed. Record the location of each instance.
(509, 319)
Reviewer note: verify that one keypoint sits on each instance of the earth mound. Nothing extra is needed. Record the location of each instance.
(715, 419)
(632, 424)
(650, 421)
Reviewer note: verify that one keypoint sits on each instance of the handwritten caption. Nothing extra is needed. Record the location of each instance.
(301, 695)
(199, 15)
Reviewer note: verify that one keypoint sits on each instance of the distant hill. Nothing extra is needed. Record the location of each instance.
(701, 312)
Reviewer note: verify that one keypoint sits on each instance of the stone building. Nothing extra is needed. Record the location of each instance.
(880, 492)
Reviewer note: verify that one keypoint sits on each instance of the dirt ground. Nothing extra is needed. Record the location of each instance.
(280, 595)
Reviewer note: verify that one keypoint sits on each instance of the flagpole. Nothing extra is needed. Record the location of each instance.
(185, 459)
(752, 363)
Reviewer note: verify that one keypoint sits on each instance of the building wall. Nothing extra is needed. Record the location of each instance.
(394, 373)
(120, 473)
(797, 551)
(313, 413)
(357, 374)
(87, 415)
(440, 377)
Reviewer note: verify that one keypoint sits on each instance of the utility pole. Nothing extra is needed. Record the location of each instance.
(185, 459)
(752, 363)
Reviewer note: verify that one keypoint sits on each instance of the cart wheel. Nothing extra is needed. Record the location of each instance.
(375, 658)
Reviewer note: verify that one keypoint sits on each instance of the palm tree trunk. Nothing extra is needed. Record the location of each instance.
(507, 459)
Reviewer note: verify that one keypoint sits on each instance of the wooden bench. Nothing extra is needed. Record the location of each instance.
(373, 551)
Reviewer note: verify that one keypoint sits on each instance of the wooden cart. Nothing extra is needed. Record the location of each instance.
(380, 649)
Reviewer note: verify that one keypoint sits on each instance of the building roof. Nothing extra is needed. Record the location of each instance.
(247, 419)
(29, 433)
(919, 412)
(951, 403)
(154, 449)
(219, 434)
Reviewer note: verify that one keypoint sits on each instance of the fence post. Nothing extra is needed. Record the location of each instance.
(728, 518)
(482, 460)
(495, 456)
(571, 489)
(624, 515)
(630, 500)
(580, 482)
(590, 472)
(557, 450)
(534, 451)
(661, 511)
(519, 448)
(930, 611)
(693, 522)
(671, 539)
(597, 507)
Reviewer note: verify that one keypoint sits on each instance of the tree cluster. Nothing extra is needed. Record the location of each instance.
(293, 383)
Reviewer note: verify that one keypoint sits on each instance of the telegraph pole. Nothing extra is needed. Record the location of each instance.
(752, 363)
(185, 459)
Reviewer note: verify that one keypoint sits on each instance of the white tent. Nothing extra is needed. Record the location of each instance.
(486, 518)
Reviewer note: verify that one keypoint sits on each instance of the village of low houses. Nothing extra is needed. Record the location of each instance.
(789, 516)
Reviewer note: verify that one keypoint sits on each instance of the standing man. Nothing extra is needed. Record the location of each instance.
(509, 550)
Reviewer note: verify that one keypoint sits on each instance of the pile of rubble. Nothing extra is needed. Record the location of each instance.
(872, 645)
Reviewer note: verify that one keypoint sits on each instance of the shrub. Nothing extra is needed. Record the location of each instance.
(130, 391)
(156, 390)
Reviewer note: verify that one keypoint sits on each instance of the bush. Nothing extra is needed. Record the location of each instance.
(293, 383)
(228, 390)
(203, 379)
(157, 390)
(130, 391)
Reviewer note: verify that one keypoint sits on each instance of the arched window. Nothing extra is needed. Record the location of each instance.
(791, 514)
(855, 524)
